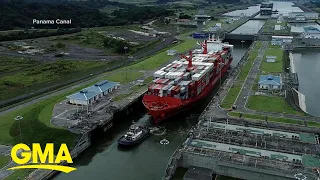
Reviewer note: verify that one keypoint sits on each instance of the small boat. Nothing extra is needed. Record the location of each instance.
(135, 135)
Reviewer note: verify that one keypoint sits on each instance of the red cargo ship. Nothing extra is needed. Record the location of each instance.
(181, 84)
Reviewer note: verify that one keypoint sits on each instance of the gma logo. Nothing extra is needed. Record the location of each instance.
(35, 158)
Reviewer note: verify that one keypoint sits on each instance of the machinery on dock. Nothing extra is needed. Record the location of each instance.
(181, 84)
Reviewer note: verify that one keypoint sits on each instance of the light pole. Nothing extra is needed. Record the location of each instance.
(242, 41)
(125, 50)
(18, 118)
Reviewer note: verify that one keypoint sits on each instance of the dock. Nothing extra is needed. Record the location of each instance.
(250, 150)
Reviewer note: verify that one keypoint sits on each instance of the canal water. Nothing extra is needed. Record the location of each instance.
(307, 65)
(283, 8)
(105, 161)
(244, 12)
(250, 27)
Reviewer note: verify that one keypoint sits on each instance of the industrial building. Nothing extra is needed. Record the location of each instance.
(302, 16)
(270, 82)
(280, 40)
(248, 149)
(266, 8)
(91, 94)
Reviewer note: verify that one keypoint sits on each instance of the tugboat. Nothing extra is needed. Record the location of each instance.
(135, 135)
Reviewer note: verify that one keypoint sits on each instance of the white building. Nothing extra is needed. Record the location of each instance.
(93, 93)
(303, 15)
(270, 82)
(280, 40)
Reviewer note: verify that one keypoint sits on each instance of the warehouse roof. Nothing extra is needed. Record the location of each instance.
(90, 92)
(270, 80)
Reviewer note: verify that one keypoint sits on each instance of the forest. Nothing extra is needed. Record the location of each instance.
(19, 14)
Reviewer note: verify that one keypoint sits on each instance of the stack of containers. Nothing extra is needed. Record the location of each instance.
(169, 93)
(165, 89)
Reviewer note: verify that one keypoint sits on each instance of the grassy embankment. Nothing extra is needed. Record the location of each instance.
(35, 75)
(273, 119)
(36, 125)
(235, 89)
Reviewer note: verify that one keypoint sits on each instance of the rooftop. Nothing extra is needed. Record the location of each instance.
(90, 92)
(311, 30)
(269, 80)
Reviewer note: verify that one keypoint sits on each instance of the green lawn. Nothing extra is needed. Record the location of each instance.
(313, 124)
(258, 45)
(21, 173)
(4, 160)
(148, 80)
(259, 117)
(121, 76)
(273, 67)
(161, 58)
(246, 68)
(271, 104)
(11, 64)
(231, 97)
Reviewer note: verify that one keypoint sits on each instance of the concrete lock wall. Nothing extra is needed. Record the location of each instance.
(240, 37)
(233, 170)
(311, 41)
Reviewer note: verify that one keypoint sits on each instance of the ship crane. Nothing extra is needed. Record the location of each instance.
(204, 45)
(189, 59)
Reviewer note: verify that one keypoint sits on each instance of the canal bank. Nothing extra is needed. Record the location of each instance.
(104, 160)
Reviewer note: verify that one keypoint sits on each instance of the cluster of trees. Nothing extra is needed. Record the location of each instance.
(116, 45)
(20, 13)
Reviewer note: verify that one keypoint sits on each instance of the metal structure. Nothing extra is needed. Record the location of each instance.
(249, 150)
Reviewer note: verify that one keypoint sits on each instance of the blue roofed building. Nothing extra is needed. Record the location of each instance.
(91, 94)
(270, 82)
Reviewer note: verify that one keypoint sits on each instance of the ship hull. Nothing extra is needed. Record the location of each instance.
(176, 105)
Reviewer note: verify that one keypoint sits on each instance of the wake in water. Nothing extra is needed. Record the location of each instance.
(158, 131)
